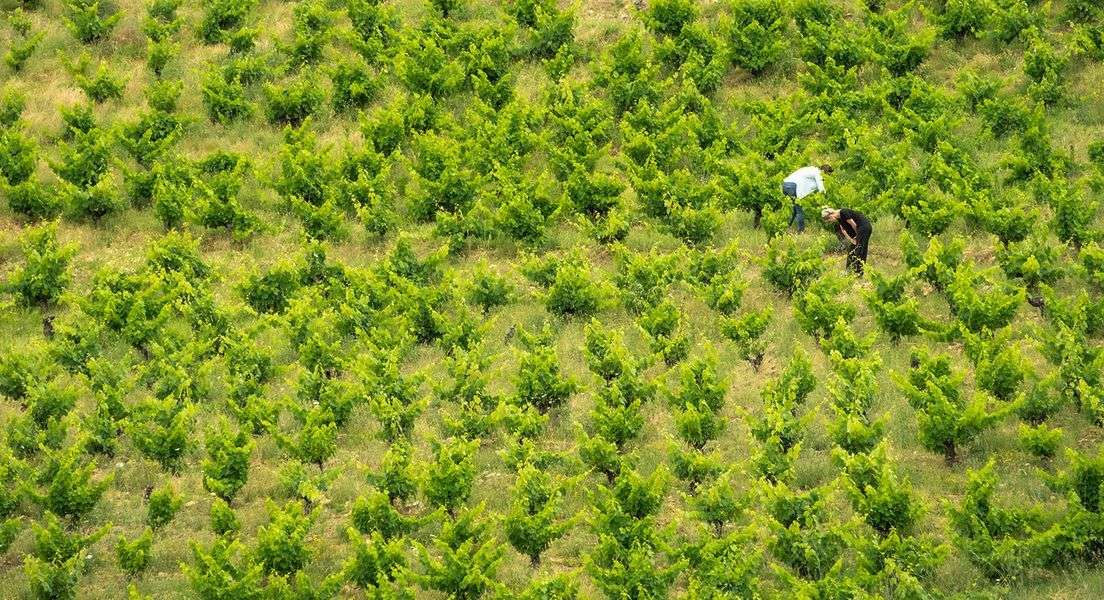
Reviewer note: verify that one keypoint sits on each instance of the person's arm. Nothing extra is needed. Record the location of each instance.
(819, 182)
(843, 231)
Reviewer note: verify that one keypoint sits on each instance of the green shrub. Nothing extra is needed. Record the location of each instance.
(133, 555)
(947, 421)
(163, 95)
(552, 37)
(163, 11)
(929, 212)
(1083, 11)
(85, 161)
(226, 468)
(1009, 218)
(159, 53)
(425, 68)
(487, 289)
(756, 33)
(747, 332)
(533, 522)
(161, 430)
(45, 275)
(788, 267)
(224, 571)
(316, 440)
(525, 11)
(700, 385)
(573, 292)
(224, 97)
(465, 560)
(222, 16)
(282, 543)
(78, 119)
(894, 312)
(448, 8)
(34, 201)
(21, 50)
(87, 21)
(374, 25)
(449, 477)
(669, 17)
(12, 104)
(162, 505)
(962, 18)
(293, 102)
(539, 382)
(885, 502)
(243, 40)
(1045, 68)
(395, 477)
(171, 203)
(150, 137)
(979, 303)
(69, 489)
(1040, 440)
(818, 306)
(18, 156)
(375, 561)
(804, 539)
(616, 416)
(102, 86)
(354, 85)
(897, 48)
(1014, 19)
(663, 326)
(19, 21)
(996, 539)
(53, 580)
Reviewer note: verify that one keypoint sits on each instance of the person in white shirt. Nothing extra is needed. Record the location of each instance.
(801, 183)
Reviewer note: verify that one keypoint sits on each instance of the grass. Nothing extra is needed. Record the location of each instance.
(120, 241)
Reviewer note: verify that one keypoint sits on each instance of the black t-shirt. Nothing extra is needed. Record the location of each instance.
(846, 214)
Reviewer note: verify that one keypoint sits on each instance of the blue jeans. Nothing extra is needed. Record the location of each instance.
(799, 216)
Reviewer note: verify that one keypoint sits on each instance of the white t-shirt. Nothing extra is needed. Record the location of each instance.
(807, 180)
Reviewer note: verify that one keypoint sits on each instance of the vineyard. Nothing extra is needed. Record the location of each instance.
(461, 299)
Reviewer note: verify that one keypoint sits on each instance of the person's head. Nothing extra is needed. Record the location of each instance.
(829, 214)
(827, 169)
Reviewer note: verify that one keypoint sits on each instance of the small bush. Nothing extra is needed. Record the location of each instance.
(222, 16)
(964, 18)
(756, 33)
(102, 86)
(293, 102)
(33, 200)
(668, 17)
(45, 272)
(133, 555)
(788, 267)
(86, 20)
(21, 50)
(224, 97)
(159, 53)
(95, 202)
(354, 85)
(18, 156)
(12, 104)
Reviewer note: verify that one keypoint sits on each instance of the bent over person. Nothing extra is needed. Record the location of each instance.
(801, 183)
(854, 227)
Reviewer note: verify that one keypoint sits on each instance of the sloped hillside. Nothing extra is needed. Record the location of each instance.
(465, 299)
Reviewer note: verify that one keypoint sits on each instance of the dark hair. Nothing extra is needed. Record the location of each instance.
(827, 169)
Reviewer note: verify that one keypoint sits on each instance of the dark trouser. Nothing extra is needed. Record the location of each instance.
(798, 215)
(856, 257)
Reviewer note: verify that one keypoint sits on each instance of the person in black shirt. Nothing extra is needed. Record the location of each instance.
(853, 226)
